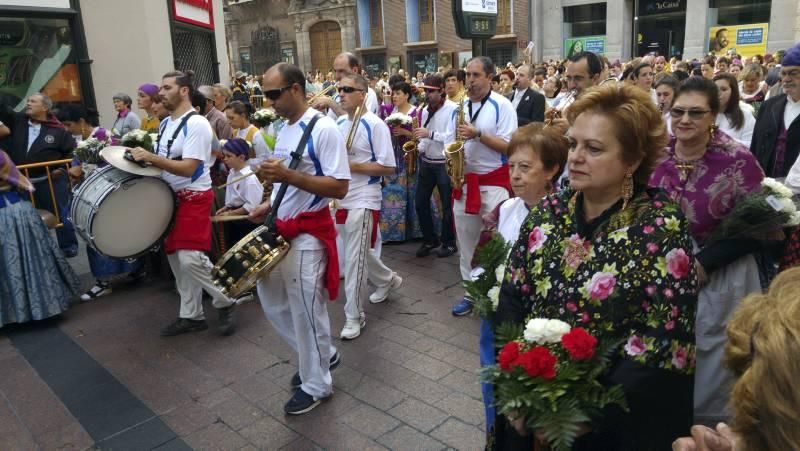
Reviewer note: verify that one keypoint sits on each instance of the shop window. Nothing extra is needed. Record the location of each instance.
(740, 12)
(501, 55)
(585, 20)
(423, 62)
(375, 64)
(37, 55)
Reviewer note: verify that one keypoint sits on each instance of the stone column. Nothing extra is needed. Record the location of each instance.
(346, 19)
(551, 23)
(303, 45)
(697, 24)
(537, 35)
(784, 25)
(615, 29)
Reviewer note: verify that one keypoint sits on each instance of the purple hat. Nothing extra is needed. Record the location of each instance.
(149, 89)
(792, 57)
(237, 146)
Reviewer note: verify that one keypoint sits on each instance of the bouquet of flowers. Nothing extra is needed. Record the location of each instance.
(398, 119)
(137, 138)
(761, 215)
(550, 375)
(263, 117)
(484, 288)
(88, 150)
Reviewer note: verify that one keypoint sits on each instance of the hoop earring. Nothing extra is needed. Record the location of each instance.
(627, 189)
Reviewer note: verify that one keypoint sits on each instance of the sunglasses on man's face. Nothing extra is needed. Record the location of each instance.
(348, 89)
(273, 94)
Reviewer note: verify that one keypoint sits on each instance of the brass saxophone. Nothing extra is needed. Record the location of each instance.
(454, 152)
(410, 148)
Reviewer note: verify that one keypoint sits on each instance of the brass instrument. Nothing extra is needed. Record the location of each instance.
(556, 113)
(410, 148)
(351, 134)
(324, 92)
(454, 152)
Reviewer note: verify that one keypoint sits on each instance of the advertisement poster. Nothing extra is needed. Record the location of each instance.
(746, 40)
(479, 6)
(594, 44)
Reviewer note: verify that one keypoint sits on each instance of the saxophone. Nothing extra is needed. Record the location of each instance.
(410, 148)
(454, 152)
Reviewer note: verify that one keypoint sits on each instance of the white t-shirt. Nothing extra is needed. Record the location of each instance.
(497, 118)
(372, 142)
(247, 193)
(324, 155)
(443, 128)
(745, 134)
(193, 141)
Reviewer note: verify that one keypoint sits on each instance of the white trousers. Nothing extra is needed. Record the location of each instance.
(360, 262)
(469, 227)
(192, 271)
(294, 301)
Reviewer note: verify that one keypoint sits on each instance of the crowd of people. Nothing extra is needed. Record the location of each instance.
(610, 182)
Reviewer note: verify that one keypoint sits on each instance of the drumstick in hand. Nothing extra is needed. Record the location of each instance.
(240, 178)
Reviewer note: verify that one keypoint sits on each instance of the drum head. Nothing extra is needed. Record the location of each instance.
(115, 156)
(133, 218)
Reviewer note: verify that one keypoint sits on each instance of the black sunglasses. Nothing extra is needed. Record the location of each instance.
(347, 89)
(678, 113)
(273, 94)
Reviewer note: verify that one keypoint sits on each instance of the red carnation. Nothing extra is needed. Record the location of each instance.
(579, 344)
(539, 361)
(508, 356)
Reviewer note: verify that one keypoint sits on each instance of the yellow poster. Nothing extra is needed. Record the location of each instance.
(745, 40)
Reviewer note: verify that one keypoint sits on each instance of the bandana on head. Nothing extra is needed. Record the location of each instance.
(149, 89)
(792, 57)
(10, 174)
(237, 147)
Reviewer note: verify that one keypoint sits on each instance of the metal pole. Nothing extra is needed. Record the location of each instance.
(479, 47)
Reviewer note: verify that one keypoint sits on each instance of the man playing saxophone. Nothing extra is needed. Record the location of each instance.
(490, 120)
(371, 157)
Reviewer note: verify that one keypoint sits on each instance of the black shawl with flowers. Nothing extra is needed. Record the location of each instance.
(631, 279)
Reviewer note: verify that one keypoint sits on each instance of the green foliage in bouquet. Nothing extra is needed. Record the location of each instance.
(88, 150)
(485, 289)
(137, 138)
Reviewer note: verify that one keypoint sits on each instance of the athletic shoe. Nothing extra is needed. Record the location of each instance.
(335, 361)
(301, 403)
(184, 325)
(99, 289)
(463, 307)
(425, 249)
(225, 322)
(247, 296)
(352, 328)
(382, 293)
(446, 251)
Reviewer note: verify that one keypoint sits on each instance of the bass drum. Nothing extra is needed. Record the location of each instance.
(122, 215)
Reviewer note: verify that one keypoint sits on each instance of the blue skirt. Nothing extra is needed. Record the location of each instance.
(36, 282)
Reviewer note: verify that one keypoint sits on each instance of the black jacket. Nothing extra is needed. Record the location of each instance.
(765, 136)
(530, 108)
(53, 143)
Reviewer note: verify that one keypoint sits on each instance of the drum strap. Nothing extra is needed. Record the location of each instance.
(175, 134)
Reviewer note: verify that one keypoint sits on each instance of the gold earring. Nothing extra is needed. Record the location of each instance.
(711, 131)
(627, 189)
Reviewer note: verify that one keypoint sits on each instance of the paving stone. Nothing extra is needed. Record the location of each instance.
(256, 387)
(217, 397)
(406, 438)
(463, 407)
(424, 344)
(189, 418)
(466, 382)
(370, 421)
(401, 335)
(217, 436)
(302, 444)
(237, 412)
(72, 437)
(459, 435)
(418, 414)
(268, 433)
(429, 367)
(436, 330)
(377, 394)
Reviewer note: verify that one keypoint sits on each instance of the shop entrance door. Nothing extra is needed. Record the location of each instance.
(662, 35)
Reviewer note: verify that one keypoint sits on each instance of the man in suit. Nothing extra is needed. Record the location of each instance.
(37, 136)
(528, 103)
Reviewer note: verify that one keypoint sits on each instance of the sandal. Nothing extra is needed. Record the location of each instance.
(99, 289)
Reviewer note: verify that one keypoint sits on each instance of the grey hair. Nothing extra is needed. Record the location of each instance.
(224, 90)
(47, 101)
(124, 98)
(359, 80)
(486, 62)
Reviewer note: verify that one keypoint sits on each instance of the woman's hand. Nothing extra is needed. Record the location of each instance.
(400, 131)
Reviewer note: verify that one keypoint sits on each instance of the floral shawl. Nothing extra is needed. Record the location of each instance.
(633, 280)
(9, 175)
(725, 174)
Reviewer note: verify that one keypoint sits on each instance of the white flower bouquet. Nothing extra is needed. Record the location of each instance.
(88, 150)
(398, 119)
(137, 138)
(263, 117)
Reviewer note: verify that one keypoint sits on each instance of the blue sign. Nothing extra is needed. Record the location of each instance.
(597, 46)
(746, 36)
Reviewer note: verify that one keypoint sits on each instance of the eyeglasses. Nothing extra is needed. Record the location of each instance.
(347, 89)
(678, 113)
(273, 94)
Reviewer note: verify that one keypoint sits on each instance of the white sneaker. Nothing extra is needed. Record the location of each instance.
(352, 328)
(99, 289)
(382, 293)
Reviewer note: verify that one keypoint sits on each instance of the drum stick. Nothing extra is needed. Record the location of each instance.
(228, 218)
(241, 178)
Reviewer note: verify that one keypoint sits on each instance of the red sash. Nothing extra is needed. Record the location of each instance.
(499, 177)
(192, 229)
(341, 218)
(319, 225)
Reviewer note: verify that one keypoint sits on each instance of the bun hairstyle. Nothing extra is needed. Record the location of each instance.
(183, 79)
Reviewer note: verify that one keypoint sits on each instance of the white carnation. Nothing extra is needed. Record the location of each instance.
(556, 329)
(788, 205)
(794, 220)
(494, 296)
(543, 330)
(500, 272)
(776, 187)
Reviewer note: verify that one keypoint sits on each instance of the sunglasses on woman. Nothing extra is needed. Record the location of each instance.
(678, 113)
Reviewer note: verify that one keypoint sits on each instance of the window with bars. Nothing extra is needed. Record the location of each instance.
(501, 55)
(426, 20)
(195, 50)
(376, 21)
(504, 17)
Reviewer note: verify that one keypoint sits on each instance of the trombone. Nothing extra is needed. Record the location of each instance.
(324, 92)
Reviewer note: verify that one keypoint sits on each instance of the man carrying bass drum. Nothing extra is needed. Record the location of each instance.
(292, 294)
(183, 151)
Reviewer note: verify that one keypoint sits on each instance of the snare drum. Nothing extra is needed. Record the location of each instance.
(122, 215)
(252, 257)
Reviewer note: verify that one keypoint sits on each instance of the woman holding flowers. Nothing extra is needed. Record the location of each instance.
(708, 173)
(603, 265)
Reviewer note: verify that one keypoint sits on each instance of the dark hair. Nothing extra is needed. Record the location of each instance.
(680, 75)
(394, 79)
(486, 62)
(199, 101)
(558, 86)
(709, 60)
(670, 81)
(639, 68)
(725, 60)
(626, 73)
(239, 107)
(704, 87)
(592, 61)
(540, 71)
(547, 143)
(291, 74)
(402, 86)
(496, 79)
(732, 111)
(182, 79)
(352, 60)
(458, 73)
(74, 113)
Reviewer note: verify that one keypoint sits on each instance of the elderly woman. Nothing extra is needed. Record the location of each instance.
(752, 87)
(37, 280)
(614, 257)
(126, 119)
(734, 119)
(222, 95)
(536, 158)
(707, 173)
(146, 98)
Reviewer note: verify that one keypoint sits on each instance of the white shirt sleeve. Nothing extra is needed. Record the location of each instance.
(252, 193)
(382, 144)
(329, 145)
(507, 124)
(197, 144)
(449, 133)
(372, 101)
(793, 178)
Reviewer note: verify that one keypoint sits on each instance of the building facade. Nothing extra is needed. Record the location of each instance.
(85, 51)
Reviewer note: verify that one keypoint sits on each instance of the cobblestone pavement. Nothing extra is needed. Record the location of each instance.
(409, 382)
